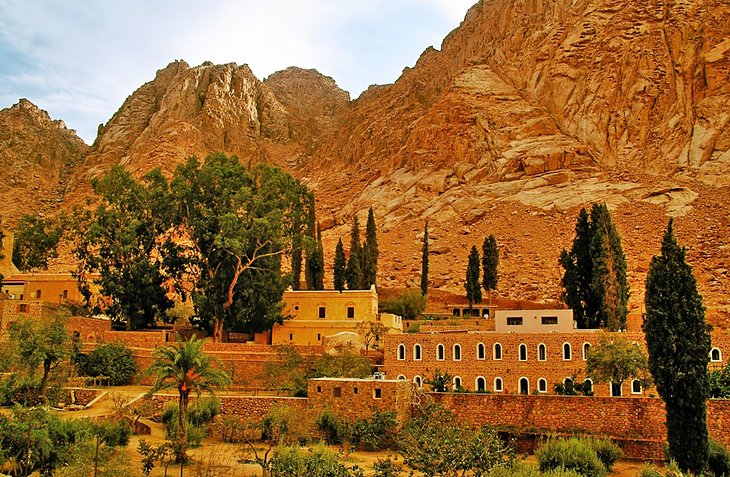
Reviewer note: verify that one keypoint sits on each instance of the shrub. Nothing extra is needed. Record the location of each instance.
(408, 306)
(328, 425)
(113, 360)
(649, 470)
(719, 461)
(203, 411)
(572, 454)
(607, 452)
(317, 462)
(523, 469)
(377, 432)
(386, 468)
(200, 414)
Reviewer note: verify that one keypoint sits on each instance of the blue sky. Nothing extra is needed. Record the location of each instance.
(79, 59)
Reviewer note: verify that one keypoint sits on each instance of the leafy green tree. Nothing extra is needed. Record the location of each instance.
(296, 255)
(113, 360)
(432, 442)
(340, 267)
(679, 343)
(41, 344)
(424, 261)
(472, 286)
(615, 359)
(354, 274)
(124, 240)
(36, 241)
(609, 282)
(372, 332)
(370, 252)
(719, 382)
(440, 382)
(595, 282)
(408, 305)
(315, 264)
(187, 368)
(345, 364)
(238, 224)
(490, 262)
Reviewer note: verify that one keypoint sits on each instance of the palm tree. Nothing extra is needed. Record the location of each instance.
(186, 367)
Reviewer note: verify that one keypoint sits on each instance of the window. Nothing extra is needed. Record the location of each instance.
(377, 393)
(635, 386)
(296, 307)
(322, 312)
(23, 308)
(497, 351)
(523, 352)
(524, 386)
(291, 336)
(485, 312)
(456, 312)
(417, 352)
(418, 381)
(337, 392)
(480, 384)
(549, 320)
(350, 312)
(615, 389)
(588, 387)
(568, 383)
(401, 352)
(319, 389)
(457, 382)
(498, 385)
(38, 294)
(440, 352)
(319, 336)
(567, 353)
(355, 390)
(401, 377)
(65, 294)
(715, 355)
(542, 385)
(481, 351)
(457, 352)
(541, 352)
(586, 349)
(514, 321)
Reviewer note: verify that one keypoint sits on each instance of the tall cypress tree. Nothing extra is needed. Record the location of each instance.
(296, 256)
(490, 261)
(354, 274)
(311, 266)
(370, 252)
(609, 282)
(2, 237)
(340, 266)
(578, 272)
(424, 261)
(318, 276)
(472, 285)
(679, 343)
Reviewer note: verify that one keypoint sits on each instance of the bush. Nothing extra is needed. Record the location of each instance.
(377, 432)
(203, 411)
(607, 452)
(386, 468)
(649, 470)
(719, 461)
(408, 306)
(522, 469)
(200, 414)
(113, 360)
(328, 425)
(317, 462)
(572, 454)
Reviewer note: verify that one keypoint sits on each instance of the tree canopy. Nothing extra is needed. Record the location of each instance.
(679, 343)
(615, 359)
(472, 285)
(340, 267)
(370, 252)
(490, 262)
(2, 256)
(424, 261)
(36, 241)
(354, 273)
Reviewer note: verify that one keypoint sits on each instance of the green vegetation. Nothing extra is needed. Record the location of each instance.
(370, 252)
(679, 343)
(2, 256)
(188, 369)
(340, 267)
(36, 241)
(424, 261)
(490, 262)
(615, 359)
(595, 283)
(472, 286)
(317, 462)
(372, 332)
(440, 382)
(200, 415)
(587, 457)
(719, 382)
(354, 273)
(408, 305)
(112, 360)
(520, 468)
(719, 459)
(315, 264)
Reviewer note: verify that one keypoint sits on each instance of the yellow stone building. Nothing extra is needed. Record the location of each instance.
(318, 314)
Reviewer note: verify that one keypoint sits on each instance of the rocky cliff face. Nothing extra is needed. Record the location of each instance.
(37, 155)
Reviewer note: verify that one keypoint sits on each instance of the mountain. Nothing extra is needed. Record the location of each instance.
(37, 156)
(529, 110)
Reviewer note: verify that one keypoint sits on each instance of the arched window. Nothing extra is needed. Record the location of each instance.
(418, 381)
(569, 385)
(615, 389)
(586, 349)
(716, 355)
(542, 385)
(457, 382)
(401, 352)
(635, 386)
(498, 388)
(541, 352)
(440, 352)
(567, 352)
(457, 352)
(481, 351)
(588, 387)
(523, 352)
(497, 351)
(524, 386)
(480, 384)
(401, 377)
(417, 352)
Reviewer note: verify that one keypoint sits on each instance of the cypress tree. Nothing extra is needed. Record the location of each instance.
(578, 272)
(424, 261)
(609, 282)
(679, 343)
(370, 252)
(340, 266)
(296, 255)
(354, 264)
(490, 261)
(311, 266)
(2, 237)
(318, 276)
(472, 285)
